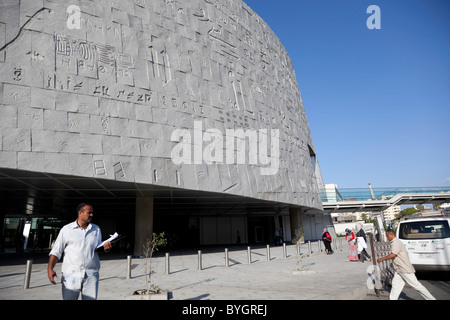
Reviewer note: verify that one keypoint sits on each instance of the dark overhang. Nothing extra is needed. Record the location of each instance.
(43, 194)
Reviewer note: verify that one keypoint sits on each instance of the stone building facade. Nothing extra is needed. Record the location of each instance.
(191, 107)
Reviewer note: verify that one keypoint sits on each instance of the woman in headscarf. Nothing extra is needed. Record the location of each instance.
(326, 238)
(362, 243)
(353, 250)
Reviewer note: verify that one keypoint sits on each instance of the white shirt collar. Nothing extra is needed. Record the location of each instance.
(75, 225)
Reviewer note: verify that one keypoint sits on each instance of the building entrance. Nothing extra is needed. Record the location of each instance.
(30, 234)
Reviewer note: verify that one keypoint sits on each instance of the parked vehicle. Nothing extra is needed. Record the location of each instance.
(427, 240)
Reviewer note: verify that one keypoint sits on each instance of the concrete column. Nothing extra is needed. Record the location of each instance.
(143, 228)
(295, 215)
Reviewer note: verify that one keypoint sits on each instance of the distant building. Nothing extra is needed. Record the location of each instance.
(391, 213)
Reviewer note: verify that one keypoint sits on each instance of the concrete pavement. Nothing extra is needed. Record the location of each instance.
(320, 276)
(315, 276)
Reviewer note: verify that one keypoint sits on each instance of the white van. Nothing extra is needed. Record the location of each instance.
(427, 241)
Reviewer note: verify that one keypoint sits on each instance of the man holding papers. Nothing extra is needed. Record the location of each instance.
(78, 242)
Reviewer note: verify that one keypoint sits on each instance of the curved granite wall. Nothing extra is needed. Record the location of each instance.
(196, 94)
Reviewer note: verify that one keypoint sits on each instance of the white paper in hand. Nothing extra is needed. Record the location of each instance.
(111, 238)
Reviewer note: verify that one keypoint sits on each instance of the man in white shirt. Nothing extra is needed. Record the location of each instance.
(78, 242)
(404, 270)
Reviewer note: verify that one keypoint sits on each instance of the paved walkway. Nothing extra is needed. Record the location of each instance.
(322, 276)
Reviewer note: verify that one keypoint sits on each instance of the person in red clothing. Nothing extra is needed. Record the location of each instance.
(326, 238)
(353, 249)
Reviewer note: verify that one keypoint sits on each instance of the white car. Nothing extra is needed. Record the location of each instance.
(427, 241)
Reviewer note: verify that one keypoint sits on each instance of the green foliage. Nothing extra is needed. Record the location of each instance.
(406, 212)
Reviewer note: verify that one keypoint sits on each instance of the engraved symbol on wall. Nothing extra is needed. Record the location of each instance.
(218, 33)
(74, 17)
(160, 65)
(201, 15)
(115, 63)
(140, 3)
(17, 74)
(74, 56)
(78, 56)
(99, 168)
(119, 172)
(242, 101)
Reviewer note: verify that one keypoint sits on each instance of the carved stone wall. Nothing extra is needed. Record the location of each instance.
(110, 91)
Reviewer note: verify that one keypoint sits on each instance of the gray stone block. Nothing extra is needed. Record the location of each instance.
(111, 145)
(8, 159)
(16, 139)
(137, 129)
(148, 148)
(55, 120)
(8, 116)
(78, 122)
(81, 165)
(88, 104)
(31, 161)
(30, 118)
(129, 146)
(57, 163)
(119, 126)
(66, 101)
(143, 169)
(143, 113)
(99, 125)
(51, 141)
(188, 175)
(16, 95)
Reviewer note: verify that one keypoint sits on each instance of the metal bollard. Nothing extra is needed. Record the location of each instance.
(249, 255)
(199, 259)
(26, 282)
(318, 246)
(284, 251)
(167, 263)
(309, 247)
(128, 267)
(268, 252)
(227, 263)
(298, 248)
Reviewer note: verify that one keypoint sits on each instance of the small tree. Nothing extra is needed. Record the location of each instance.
(150, 246)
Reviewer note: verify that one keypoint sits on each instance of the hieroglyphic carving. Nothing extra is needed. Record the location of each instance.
(119, 172)
(17, 74)
(96, 58)
(160, 65)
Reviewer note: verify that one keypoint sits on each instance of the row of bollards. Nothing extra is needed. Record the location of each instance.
(26, 283)
(227, 257)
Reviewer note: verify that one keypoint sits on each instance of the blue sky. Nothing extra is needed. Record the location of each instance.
(377, 101)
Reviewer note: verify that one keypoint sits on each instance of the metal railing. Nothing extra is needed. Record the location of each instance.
(366, 194)
(382, 272)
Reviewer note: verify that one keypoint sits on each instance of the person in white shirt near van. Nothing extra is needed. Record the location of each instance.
(404, 270)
